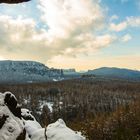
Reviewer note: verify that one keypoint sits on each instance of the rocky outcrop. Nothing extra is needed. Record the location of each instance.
(11, 126)
(19, 124)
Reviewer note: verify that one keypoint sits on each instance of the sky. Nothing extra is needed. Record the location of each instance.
(80, 34)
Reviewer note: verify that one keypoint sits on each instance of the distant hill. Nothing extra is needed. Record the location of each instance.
(26, 72)
(113, 72)
(12, 72)
(69, 71)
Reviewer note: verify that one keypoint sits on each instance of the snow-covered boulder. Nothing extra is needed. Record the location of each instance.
(30, 123)
(56, 131)
(59, 131)
(11, 126)
(27, 114)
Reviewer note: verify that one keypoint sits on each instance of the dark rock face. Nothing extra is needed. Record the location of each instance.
(28, 118)
(10, 100)
(11, 103)
(22, 136)
(13, 1)
(2, 120)
(27, 115)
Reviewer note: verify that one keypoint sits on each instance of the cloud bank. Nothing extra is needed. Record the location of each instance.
(72, 27)
(67, 29)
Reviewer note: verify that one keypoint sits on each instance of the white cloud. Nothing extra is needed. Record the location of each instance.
(73, 36)
(118, 27)
(133, 21)
(114, 17)
(129, 22)
(88, 44)
(126, 38)
(19, 39)
(66, 16)
(72, 31)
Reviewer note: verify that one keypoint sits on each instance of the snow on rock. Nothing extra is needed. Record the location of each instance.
(31, 125)
(20, 124)
(11, 126)
(27, 114)
(54, 131)
(59, 131)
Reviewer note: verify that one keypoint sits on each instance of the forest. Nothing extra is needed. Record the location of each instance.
(101, 109)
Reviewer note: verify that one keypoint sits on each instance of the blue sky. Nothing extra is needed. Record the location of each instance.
(81, 34)
(122, 8)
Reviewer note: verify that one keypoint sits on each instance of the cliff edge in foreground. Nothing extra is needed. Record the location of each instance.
(20, 124)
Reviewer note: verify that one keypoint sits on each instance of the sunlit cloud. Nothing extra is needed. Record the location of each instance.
(118, 27)
(71, 30)
(129, 22)
(66, 16)
(114, 17)
(64, 30)
(126, 38)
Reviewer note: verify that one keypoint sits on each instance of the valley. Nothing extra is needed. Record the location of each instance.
(81, 102)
